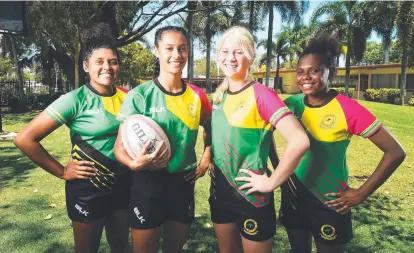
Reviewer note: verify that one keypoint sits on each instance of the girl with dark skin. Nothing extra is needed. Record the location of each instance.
(316, 199)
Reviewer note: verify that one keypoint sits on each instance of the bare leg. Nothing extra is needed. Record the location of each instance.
(175, 235)
(228, 238)
(145, 240)
(256, 247)
(117, 232)
(87, 236)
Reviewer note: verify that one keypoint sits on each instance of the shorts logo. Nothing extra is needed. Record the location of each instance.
(250, 227)
(328, 232)
(139, 216)
(328, 121)
(81, 211)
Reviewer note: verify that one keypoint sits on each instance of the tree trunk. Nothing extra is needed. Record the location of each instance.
(269, 43)
(208, 38)
(387, 46)
(277, 73)
(76, 62)
(348, 58)
(190, 22)
(403, 72)
(22, 97)
(251, 16)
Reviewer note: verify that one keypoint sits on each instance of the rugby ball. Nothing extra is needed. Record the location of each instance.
(137, 130)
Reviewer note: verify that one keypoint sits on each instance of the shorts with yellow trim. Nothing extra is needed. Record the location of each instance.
(300, 209)
(228, 206)
(88, 204)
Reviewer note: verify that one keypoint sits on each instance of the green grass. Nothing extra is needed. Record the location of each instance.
(384, 223)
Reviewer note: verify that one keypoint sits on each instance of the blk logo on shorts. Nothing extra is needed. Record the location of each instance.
(81, 211)
(139, 216)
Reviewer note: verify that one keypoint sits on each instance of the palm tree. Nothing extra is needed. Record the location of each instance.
(278, 50)
(192, 6)
(405, 31)
(382, 17)
(347, 21)
(291, 11)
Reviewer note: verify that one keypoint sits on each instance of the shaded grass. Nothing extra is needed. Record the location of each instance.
(384, 223)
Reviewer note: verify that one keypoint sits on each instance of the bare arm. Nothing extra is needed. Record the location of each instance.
(297, 142)
(204, 162)
(28, 141)
(394, 155)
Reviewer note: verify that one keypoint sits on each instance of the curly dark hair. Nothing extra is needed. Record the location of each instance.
(327, 46)
(96, 37)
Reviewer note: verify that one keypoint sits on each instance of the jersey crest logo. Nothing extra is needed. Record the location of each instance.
(328, 121)
(192, 110)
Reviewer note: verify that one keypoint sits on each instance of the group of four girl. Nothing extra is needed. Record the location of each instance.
(105, 188)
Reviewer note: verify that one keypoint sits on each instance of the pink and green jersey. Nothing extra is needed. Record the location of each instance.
(330, 127)
(242, 125)
(178, 114)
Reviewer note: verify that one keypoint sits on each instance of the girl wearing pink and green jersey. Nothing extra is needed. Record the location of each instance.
(316, 199)
(162, 192)
(244, 114)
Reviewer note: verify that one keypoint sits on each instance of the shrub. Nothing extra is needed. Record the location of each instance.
(411, 101)
(397, 101)
(342, 91)
(388, 96)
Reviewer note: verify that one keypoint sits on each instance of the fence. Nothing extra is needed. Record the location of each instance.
(9, 89)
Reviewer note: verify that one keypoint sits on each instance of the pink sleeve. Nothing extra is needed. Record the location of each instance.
(360, 121)
(206, 109)
(271, 107)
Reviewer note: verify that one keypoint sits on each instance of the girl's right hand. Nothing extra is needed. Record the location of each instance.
(156, 160)
(78, 170)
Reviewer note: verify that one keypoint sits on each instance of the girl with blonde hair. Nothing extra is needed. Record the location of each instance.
(244, 114)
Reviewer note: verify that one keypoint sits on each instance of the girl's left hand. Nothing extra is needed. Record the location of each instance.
(345, 200)
(256, 183)
(193, 175)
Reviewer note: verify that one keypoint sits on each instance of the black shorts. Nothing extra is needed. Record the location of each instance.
(157, 196)
(300, 209)
(228, 206)
(87, 203)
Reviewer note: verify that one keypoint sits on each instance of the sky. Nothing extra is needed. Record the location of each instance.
(277, 24)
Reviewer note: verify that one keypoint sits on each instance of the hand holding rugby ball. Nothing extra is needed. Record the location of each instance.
(137, 130)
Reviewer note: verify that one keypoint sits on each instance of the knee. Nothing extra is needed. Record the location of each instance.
(119, 245)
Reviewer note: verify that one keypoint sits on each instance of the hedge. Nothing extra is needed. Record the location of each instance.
(342, 91)
(389, 96)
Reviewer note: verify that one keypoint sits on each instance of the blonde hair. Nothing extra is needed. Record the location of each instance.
(247, 44)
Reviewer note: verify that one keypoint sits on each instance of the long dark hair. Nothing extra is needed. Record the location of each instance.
(158, 37)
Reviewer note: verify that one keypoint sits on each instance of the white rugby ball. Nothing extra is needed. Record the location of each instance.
(137, 130)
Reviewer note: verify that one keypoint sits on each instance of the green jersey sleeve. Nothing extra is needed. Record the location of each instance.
(133, 104)
(64, 109)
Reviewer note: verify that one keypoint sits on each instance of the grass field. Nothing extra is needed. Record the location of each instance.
(29, 196)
